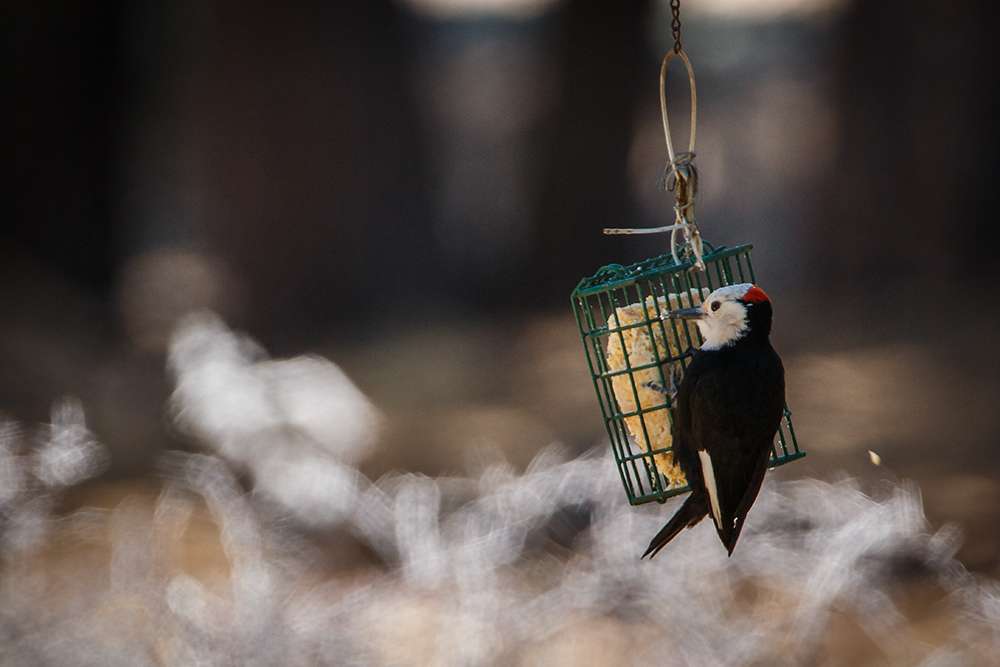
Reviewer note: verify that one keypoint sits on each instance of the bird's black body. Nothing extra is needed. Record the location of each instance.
(730, 405)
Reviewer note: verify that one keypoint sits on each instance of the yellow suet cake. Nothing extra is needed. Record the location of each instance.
(649, 381)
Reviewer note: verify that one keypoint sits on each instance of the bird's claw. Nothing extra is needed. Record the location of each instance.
(657, 387)
(671, 391)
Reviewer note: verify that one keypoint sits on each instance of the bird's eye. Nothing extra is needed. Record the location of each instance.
(715, 305)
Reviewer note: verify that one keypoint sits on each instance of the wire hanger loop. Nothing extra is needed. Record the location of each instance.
(664, 69)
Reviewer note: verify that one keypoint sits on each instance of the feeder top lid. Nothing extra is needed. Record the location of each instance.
(615, 275)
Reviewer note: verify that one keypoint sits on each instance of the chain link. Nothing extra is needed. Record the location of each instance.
(675, 24)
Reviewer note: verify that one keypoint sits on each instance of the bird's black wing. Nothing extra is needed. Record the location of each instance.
(734, 409)
(684, 446)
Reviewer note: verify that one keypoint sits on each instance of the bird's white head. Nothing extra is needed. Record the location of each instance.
(730, 314)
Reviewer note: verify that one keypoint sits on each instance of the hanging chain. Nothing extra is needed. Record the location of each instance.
(675, 24)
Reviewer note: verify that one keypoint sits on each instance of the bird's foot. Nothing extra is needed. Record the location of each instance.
(676, 375)
(670, 392)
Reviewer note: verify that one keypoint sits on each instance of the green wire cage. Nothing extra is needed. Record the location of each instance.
(635, 355)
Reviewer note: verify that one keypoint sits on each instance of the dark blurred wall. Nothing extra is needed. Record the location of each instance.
(66, 127)
(305, 168)
(288, 144)
(911, 193)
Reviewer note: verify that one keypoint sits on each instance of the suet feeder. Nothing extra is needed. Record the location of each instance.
(636, 356)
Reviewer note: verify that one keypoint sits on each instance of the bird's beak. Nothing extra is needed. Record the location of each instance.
(685, 314)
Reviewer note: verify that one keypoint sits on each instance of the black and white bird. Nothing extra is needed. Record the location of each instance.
(726, 412)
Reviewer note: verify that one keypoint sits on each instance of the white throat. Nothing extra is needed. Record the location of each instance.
(724, 327)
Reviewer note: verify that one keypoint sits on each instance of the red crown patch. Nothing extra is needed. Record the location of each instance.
(755, 295)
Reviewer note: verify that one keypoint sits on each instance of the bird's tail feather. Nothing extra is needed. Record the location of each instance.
(691, 512)
(733, 525)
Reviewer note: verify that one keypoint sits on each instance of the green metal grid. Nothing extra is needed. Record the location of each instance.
(596, 300)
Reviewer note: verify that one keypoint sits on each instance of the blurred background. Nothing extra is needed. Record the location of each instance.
(411, 190)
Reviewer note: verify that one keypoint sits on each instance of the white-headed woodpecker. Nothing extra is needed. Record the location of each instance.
(726, 412)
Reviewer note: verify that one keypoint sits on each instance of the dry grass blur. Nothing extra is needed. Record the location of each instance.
(173, 556)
